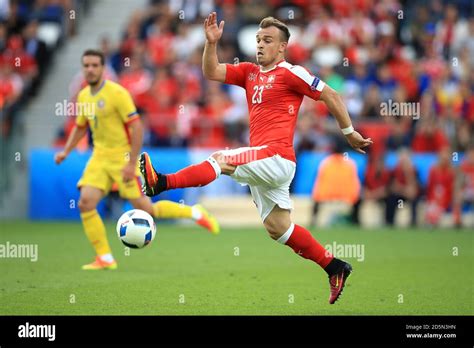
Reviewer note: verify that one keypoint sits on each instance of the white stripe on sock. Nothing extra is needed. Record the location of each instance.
(215, 165)
(107, 258)
(196, 213)
(284, 238)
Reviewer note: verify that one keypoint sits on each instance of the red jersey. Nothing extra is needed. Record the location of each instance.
(429, 143)
(440, 186)
(274, 97)
(467, 171)
(375, 179)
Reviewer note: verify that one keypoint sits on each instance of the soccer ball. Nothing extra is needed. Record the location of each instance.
(136, 228)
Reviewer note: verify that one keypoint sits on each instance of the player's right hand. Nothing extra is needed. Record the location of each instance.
(213, 32)
(59, 157)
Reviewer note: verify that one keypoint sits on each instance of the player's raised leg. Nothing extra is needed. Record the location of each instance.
(171, 210)
(195, 175)
(95, 229)
(280, 228)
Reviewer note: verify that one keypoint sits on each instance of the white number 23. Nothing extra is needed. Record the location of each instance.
(257, 94)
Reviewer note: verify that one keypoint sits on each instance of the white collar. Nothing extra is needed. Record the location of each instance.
(274, 67)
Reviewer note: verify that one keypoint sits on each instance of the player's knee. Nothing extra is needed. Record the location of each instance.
(149, 210)
(273, 229)
(277, 225)
(86, 204)
(145, 206)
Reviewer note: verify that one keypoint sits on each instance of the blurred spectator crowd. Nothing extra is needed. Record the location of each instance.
(448, 192)
(372, 52)
(30, 32)
(404, 68)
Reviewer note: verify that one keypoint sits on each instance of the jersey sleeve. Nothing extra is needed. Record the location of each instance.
(303, 82)
(81, 119)
(125, 106)
(237, 73)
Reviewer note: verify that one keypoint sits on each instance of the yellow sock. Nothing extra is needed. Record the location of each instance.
(95, 232)
(171, 210)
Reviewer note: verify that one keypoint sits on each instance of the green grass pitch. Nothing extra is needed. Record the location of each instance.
(187, 271)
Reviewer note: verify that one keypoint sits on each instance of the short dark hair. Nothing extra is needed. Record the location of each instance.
(273, 22)
(93, 52)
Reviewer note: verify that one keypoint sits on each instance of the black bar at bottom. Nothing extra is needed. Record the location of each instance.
(220, 330)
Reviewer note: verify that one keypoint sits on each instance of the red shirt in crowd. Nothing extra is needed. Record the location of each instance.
(467, 171)
(429, 143)
(440, 185)
(375, 179)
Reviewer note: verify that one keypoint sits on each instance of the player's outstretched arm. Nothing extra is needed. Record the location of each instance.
(336, 107)
(76, 135)
(211, 67)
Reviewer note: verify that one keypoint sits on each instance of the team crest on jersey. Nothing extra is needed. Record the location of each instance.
(101, 103)
(271, 79)
(252, 76)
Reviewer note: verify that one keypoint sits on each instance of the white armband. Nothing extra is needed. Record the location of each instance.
(348, 130)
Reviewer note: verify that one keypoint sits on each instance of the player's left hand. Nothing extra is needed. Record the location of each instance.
(357, 141)
(59, 157)
(128, 172)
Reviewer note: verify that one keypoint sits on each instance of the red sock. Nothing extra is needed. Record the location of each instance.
(196, 175)
(303, 243)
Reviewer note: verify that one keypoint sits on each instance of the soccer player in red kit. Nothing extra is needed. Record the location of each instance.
(275, 90)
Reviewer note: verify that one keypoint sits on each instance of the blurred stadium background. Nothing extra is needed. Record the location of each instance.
(419, 172)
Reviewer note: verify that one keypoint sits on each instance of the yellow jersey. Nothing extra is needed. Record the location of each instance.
(108, 112)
